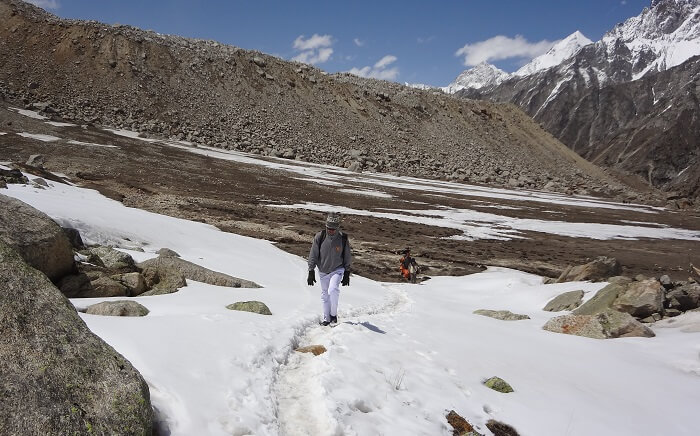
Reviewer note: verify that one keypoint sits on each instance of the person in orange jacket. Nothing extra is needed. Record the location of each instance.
(408, 266)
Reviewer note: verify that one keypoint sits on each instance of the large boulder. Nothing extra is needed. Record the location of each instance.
(117, 308)
(165, 266)
(598, 270)
(641, 299)
(57, 376)
(566, 301)
(604, 325)
(603, 299)
(36, 237)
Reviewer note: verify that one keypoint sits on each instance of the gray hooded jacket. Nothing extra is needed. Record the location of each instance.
(329, 254)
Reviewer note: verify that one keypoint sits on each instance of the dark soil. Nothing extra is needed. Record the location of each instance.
(236, 197)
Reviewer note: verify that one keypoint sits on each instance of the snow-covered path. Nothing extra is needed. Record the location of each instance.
(304, 406)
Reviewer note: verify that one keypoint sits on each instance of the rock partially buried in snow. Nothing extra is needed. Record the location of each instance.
(566, 301)
(503, 315)
(460, 425)
(111, 258)
(315, 349)
(500, 428)
(195, 272)
(117, 308)
(250, 306)
(498, 384)
(166, 252)
(604, 325)
(603, 299)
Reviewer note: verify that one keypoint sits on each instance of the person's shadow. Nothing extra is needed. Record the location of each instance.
(368, 326)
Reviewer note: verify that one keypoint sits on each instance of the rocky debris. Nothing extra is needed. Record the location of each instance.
(166, 252)
(169, 87)
(13, 176)
(58, 377)
(646, 299)
(110, 258)
(641, 298)
(35, 160)
(499, 385)
(36, 237)
(461, 427)
(566, 301)
(315, 349)
(117, 308)
(503, 315)
(500, 428)
(250, 306)
(604, 325)
(683, 296)
(194, 272)
(598, 270)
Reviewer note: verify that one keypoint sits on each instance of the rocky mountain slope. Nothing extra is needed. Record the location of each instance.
(629, 101)
(205, 92)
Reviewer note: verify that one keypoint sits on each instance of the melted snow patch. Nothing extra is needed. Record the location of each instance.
(90, 144)
(60, 124)
(28, 113)
(368, 193)
(130, 134)
(39, 137)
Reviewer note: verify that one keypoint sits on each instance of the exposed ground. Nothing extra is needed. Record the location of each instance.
(236, 197)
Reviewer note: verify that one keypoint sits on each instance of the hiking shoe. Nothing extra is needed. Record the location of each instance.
(324, 323)
(334, 320)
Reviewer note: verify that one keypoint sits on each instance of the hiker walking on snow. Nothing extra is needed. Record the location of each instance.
(331, 253)
(408, 266)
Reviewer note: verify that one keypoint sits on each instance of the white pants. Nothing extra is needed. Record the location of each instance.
(330, 292)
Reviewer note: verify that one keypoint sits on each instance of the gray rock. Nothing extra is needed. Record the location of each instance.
(603, 299)
(36, 237)
(604, 325)
(166, 252)
(600, 269)
(684, 297)
(57, 376)
(35, 160)
(498, 384)
(106, 287)
(250, 306)
(134, 283)
(503, 315)
(73, 235)
(113, 259)
(666, 282)
(117, 308)
(499, 428)
(76, 286)
(641, 299)
(161, 279)
(566, 301)
(195, 272)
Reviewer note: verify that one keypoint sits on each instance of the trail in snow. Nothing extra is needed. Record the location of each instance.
(303, 406)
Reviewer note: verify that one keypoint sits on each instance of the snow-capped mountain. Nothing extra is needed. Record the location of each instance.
(661, 37)
(561, 51)
(480, 76)
(628, 101)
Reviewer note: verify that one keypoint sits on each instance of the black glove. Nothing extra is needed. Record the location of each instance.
(312, 278)
(346, 278)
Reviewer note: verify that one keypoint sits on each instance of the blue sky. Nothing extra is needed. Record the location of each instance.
(405, 41)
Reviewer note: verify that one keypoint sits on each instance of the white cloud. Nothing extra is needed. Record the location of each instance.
(502, 47)
(358, 42)
(379, 70)
(45, 4)
(422, 40)
(314, 50)
(623, 2)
